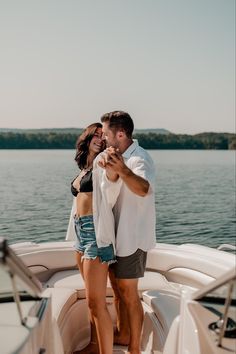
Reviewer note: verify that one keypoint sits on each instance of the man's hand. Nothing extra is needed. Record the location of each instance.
(115, 167)
(106, 163)
(115, 162)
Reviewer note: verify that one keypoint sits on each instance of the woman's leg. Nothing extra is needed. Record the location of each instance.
(79, 256)
(92, 347)
(95, 275)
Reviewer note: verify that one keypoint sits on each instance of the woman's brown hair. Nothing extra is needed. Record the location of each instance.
(82, 144)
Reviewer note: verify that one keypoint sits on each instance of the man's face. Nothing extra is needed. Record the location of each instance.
(109, 136)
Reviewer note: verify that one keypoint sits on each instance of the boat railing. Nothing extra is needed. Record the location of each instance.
(19, 279)
(224, 318)
(219, 296)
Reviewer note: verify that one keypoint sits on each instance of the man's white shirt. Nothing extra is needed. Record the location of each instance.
(135, 216)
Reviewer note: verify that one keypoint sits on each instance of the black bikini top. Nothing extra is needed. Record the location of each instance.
(86, 184)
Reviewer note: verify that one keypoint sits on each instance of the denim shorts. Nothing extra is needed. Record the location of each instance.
(86, 241)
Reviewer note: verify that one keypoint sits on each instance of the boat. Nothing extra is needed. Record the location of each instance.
(188, 297)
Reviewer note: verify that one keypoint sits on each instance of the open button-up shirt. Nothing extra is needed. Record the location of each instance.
(135, 216)
(121, 217)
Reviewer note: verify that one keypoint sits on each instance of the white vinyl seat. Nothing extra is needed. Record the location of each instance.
(68, 279)
(161, 307)
(67, 287)
(62, 299)
(71, 317)
(72, 279)
(165, 305)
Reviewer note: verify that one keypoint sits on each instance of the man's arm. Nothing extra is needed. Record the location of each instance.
(137, 184)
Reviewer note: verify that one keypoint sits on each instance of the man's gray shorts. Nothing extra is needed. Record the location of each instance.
(130, 267)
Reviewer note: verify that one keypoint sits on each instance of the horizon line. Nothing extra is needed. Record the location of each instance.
(170, 132)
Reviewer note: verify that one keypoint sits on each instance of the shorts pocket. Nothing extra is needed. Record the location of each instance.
(87, 226)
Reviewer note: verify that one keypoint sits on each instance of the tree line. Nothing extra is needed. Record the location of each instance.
(55, 140)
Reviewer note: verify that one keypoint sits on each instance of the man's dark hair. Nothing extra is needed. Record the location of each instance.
(119, 120)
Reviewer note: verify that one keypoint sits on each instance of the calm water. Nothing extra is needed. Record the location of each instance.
(195, 195)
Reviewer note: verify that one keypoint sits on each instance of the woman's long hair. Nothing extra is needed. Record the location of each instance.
(83, 142)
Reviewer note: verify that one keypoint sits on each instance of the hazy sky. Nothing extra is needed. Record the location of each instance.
(169, 63)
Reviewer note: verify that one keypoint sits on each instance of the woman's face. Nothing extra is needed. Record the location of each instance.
(97, 143)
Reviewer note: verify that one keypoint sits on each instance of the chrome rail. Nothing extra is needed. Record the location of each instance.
(225, 314)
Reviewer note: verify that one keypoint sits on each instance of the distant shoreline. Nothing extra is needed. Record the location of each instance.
(148, 139)
(79, 131)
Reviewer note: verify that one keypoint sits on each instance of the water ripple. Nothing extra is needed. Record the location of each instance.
(195, 195)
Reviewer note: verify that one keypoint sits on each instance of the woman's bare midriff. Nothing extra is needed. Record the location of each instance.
(84, 204)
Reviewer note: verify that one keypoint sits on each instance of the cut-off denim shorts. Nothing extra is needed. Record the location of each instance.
(86, 241)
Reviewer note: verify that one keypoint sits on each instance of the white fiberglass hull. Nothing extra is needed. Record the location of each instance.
(173, 274)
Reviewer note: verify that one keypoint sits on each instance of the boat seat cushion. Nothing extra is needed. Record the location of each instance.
(72, 279)
(62, 299)
(165, 304)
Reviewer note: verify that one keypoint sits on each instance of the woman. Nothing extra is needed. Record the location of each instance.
(92, 261)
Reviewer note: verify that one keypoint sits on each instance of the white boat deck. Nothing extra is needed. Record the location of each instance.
(118, 349)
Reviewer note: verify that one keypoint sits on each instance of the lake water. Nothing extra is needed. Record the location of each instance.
(195, 195)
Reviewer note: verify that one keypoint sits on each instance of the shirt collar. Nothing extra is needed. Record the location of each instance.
(128, 152)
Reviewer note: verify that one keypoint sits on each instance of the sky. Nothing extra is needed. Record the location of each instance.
(169, 63)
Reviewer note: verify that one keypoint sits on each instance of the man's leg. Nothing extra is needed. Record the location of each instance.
(128, 290)
(124, 280)
(122, 332)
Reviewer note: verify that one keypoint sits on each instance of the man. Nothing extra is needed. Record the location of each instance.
(132, 167)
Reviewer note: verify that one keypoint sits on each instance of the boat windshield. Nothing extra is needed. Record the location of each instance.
(7, 287)
(16, 278)
(5, 284)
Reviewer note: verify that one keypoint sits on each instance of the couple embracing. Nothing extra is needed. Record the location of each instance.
(115, 227)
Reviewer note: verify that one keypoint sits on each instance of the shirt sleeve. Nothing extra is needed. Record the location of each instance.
(105, 194)
(144, 167)
(70, 234)
(110, 189)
